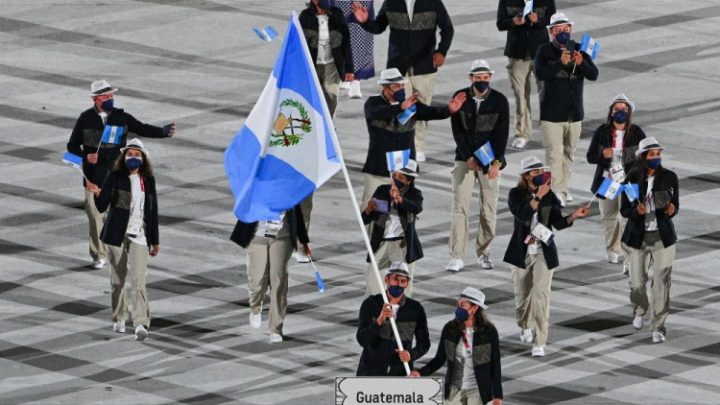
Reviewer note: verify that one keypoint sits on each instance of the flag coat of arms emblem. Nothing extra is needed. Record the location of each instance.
(112, 134)
(590, 46)
(287, 146)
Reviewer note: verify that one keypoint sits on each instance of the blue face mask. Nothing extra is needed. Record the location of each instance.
(399, 184)
(481, 86)
(324, 4)
(654, 163)
(539, 180)
(562, 38)
(107, 105)
(133, 163)
(399, 95)
(461, 314)
(620, 117)
(396, 291)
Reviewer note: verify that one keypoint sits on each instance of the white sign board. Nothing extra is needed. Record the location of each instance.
(389, 390)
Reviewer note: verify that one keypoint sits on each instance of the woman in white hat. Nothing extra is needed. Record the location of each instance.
(470, 346)
(130, 233)
(612, 149)
(650, 234)
(532, 251)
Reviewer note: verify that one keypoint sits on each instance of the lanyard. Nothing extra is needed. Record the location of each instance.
(142, 184)
(614, 141)
(465, 341)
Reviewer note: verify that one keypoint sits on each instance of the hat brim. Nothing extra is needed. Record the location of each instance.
(407, 172)
(400, 80)
(399, 272)
(570, 23)
(474, 301)
(477, 72)
(123, 149)
(104, 91)
(641, 151)
(529, 169)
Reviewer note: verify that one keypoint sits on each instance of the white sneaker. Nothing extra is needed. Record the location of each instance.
(98, 264)
(276, 338)
(538, 351)
(455, 265)
(344, 85)
(638, 322)
(626, 268)
(614, 258)
(140, 333)
(568, 197)
(526, 336)
(119, 326)
(256, 320)
(354, 91)
(658, 337)
(519, 142)
(562, 200)
(420, 156)
(485, 262)
(301, 257)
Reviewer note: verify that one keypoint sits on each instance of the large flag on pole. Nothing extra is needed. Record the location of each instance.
(285, 149)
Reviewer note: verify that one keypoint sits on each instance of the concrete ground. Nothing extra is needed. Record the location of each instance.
(199, 64)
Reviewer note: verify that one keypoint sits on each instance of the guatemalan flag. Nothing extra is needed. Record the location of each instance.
(632, 191)
(397, 159)
(590, 46)
(609, 189)
(287, 147)
(485, 154)
(112, 134)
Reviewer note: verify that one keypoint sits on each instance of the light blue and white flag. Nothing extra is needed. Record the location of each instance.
(590, 46)
(397, 159)
(405, 116)
(286, 148)
(609, 189)
(528, 8)
(72, 160)
(266, 34)
(485, 154)
(632, 191)
(112, 134)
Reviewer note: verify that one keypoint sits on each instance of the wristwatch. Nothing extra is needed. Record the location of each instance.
(536, 198)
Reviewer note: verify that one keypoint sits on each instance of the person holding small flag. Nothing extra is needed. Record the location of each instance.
(380, 355)
(269, 246)
(391, 118)
(650, 234)
(563, 69)
(612, 149)
(130, 233)
(470, 347)
(531, 252)
(480, 129)
(391, 213)
(97, 137)
(525, 22)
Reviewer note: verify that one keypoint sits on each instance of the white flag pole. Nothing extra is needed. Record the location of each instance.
(356, 208)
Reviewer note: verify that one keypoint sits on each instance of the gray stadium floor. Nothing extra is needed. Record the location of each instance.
(198, 63)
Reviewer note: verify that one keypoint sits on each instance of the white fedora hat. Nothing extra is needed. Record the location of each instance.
(100, 87)
(480, 66)
(531, 163)
(135, 144)
(647, 144)
(410, 170)
(475, 296)
(622, 98)
(559, 19)
(390, 76)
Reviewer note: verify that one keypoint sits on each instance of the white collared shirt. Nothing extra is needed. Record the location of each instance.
(324, 55)
(411, 7)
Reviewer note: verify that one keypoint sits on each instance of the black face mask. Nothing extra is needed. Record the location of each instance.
(324, 4)
(481, 86)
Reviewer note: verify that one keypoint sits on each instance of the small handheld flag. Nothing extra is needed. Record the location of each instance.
(609, 189)
(528, 8)
(398, 159)
(405, 116)
(590, 46)
(112, 134)
(266, 34)
(74, 161)
(318, 278)
(632, 191)
(485, 154)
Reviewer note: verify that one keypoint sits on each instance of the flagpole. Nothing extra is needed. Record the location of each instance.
(356, 208)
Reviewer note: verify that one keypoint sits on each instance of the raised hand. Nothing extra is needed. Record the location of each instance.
(360, 12)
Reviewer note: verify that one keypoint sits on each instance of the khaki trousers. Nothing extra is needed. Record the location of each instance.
(330, 83)
(463, 397)
(267, 266)
(519, 73)
(463, 182)
(560, 140)
(371, 184)
(614, 225)
(652, 252)
(532, 296)
(388, 252)
(425, 86)
(98, 250)
(129, 261)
